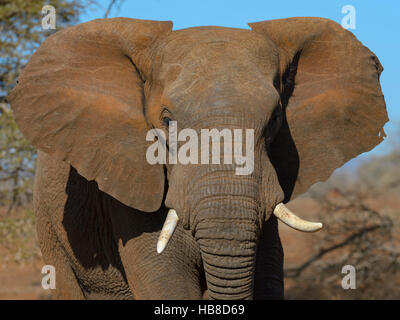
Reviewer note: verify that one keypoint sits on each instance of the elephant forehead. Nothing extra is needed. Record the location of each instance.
(211, 33)
(188, 46)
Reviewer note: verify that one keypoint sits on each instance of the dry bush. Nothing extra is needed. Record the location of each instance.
(18, 241)
(381, 175)
(361, 228)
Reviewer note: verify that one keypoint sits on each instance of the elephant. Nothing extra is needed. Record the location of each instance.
(91, 93)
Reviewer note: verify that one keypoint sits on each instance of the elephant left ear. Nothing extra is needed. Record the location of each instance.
(334, 106)
(81, 99)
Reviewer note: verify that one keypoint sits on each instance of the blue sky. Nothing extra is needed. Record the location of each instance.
(377, 27)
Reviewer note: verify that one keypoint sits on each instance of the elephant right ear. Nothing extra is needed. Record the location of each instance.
(80, 98)
(334, 106)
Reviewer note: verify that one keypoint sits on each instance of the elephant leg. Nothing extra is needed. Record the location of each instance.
(48, 202)
(67, 286)
(174, 274)
(268, 281)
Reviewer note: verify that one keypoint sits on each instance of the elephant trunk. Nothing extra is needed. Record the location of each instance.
(229, 260)
(227, 228)
(222, 206)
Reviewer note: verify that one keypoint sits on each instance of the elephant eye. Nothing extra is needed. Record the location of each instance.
(274, 124)
(165, 117)
(276, 116)
(165, 121)
(277, 82)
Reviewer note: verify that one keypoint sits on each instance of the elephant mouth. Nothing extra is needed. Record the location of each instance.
(281, 212)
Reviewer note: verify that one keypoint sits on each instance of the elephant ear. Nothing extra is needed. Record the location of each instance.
(334, 107)
(80, 98)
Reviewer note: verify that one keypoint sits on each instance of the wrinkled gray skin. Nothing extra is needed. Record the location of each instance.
(108, 250)
(307, 88)
(112, 248)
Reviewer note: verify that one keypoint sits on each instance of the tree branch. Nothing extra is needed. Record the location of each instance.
(296, 271)
(111, 4)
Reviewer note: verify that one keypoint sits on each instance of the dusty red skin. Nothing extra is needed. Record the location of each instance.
(90, 93)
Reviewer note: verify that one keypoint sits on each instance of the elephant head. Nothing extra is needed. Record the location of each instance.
(307, 88)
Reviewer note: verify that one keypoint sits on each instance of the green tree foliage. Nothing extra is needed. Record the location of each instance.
(21, 33)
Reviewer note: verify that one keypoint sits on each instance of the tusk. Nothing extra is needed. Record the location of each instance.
(289, 218)
(167, 230)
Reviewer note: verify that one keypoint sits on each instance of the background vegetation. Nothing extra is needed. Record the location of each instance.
(361, 215)
(21, 34)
